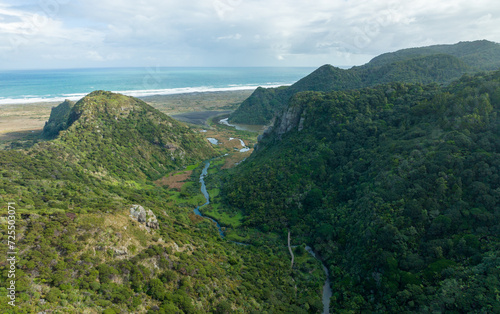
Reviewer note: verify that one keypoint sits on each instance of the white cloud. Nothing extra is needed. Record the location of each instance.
(94, 55)
(230, 37)
(234, 32)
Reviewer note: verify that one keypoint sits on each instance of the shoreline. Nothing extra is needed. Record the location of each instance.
(147, 98)
(141, 94)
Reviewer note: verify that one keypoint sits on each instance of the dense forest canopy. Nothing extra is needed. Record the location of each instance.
(397, 186)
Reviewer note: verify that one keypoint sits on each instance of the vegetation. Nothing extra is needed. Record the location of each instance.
(396, 186)
(440, 64)
(58, 119)
(79, 250)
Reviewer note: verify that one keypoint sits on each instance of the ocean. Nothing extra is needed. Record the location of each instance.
(33, 86)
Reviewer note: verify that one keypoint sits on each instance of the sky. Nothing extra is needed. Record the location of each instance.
(50, 34)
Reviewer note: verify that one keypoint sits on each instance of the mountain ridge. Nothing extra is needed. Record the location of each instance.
(439, 63)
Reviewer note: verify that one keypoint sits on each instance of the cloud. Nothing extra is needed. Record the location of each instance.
(233, 32)
(230, 37)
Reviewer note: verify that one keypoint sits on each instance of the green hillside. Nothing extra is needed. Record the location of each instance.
(104, 140)
(439, 64)
(94, 234)
(396, 185)
(438, 68)
(126, 137)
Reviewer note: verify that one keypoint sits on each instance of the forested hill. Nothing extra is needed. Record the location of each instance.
(103, 140)
(480, 54)
(124, 136)
(439, 63)
(94, 233)
(397, 187)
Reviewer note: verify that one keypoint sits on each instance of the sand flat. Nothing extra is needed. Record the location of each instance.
(23, 118)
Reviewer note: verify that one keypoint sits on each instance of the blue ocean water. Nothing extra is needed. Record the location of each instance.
(29, 86)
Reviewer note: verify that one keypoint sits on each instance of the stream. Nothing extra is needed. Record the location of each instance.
(204, 172)
(327, 290)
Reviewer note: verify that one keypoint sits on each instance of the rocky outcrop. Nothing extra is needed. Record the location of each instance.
(58, 119)
(147, 217)
(289, 120)
(301, 121)
(138, 212)
(120, 251)
(170, 146)
(292, 118)
(152, 222)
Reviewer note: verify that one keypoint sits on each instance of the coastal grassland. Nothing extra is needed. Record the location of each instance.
(177, 179)
(24, 117)
(22, 121)
(180, 103)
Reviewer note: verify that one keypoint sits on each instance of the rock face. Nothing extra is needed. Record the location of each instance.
(138, 212)
(289, 120)
(148, 218)
(120, 251)
(292, 118)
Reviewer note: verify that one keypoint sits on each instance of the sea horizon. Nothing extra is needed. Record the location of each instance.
(54, 85)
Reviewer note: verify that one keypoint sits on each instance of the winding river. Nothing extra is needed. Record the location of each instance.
(327, 290)
(204, 172)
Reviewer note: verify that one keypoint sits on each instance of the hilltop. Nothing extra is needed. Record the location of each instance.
(103, 140)
(125, 136)
(439, 64)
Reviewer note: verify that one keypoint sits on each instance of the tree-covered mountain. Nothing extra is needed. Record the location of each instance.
(124, 136)
(481, 54)
(397, 186)
(95, 234)
(439, 63)
(103, 139)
